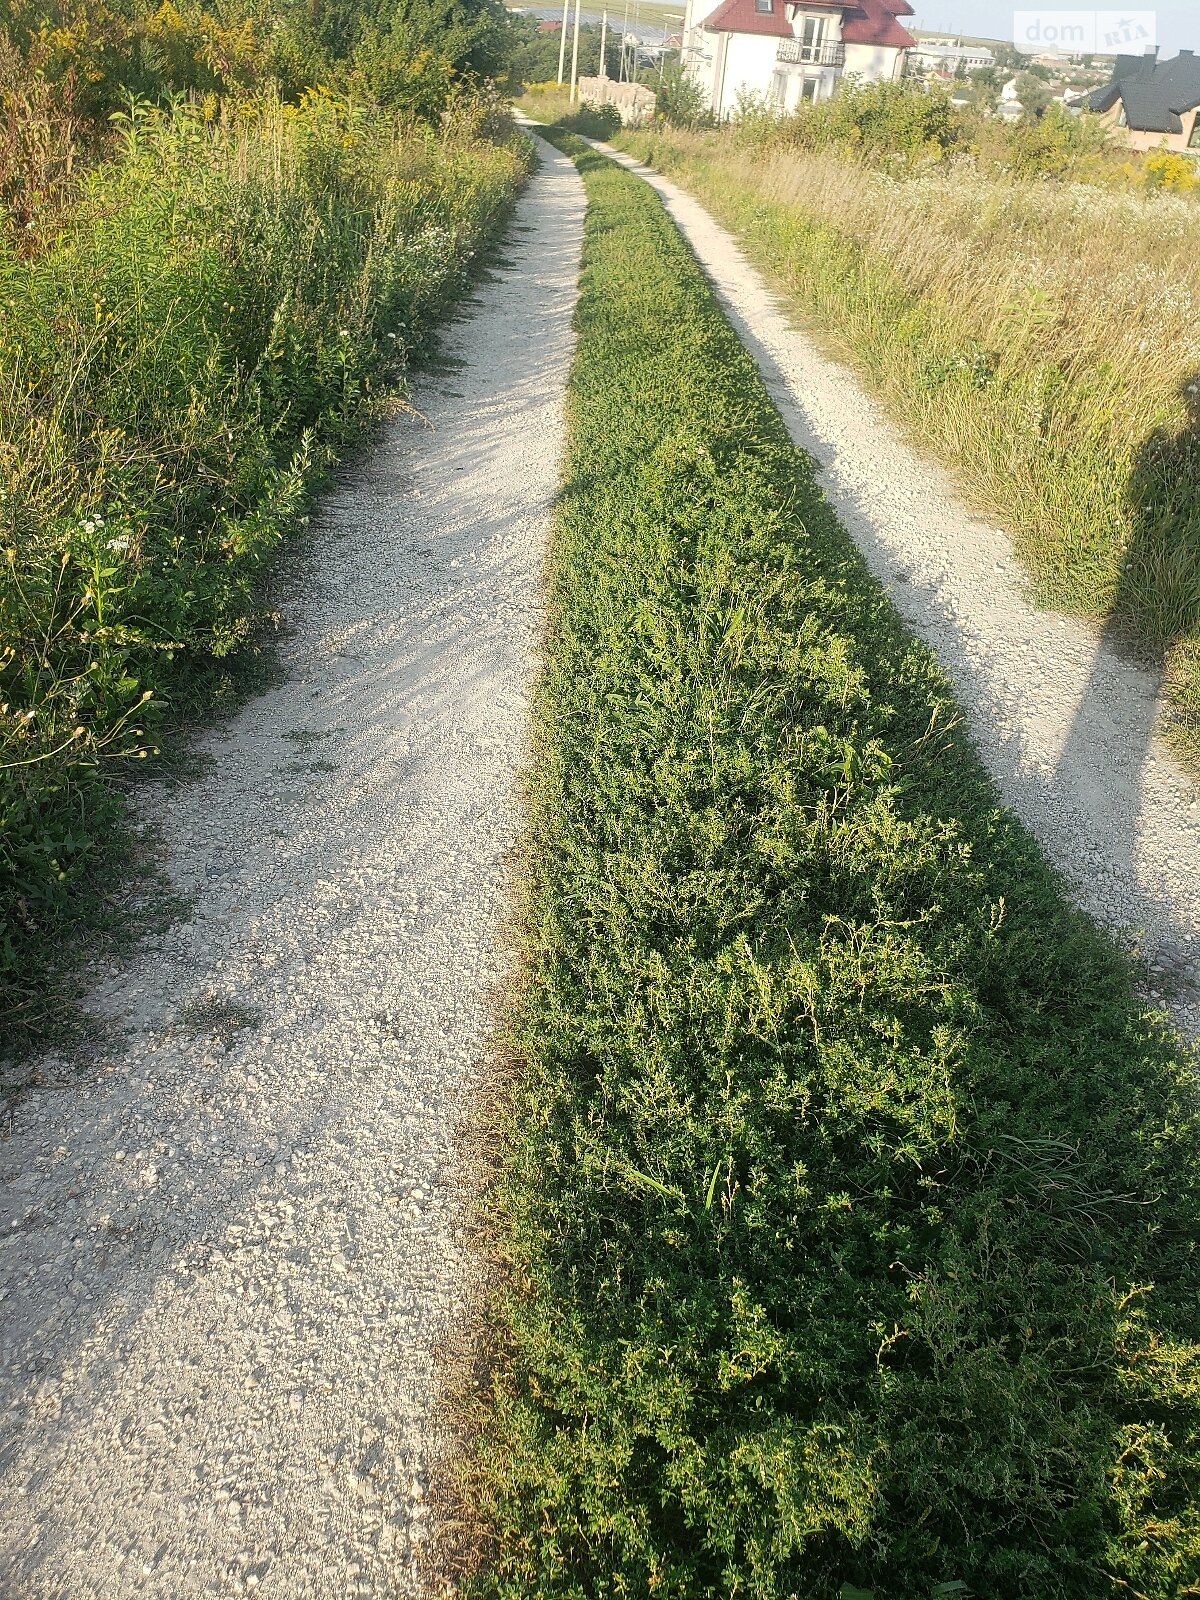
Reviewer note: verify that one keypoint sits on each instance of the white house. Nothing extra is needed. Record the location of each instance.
(785, 52)
(947, 55)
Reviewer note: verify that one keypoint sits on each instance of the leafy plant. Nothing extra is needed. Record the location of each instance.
(879, 121)
(592, 122)
(680, 100)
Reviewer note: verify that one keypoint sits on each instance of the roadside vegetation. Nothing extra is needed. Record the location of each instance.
(204, 283)
(1028, 305)
(852, 1199)
(534, 60)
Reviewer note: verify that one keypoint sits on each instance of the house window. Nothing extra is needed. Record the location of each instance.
(764, 7)
(779, 82)
(812, 30)
(808, 88)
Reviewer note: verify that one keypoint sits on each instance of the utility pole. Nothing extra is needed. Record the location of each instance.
(562, 42)
(624, 31)
(603, 39)
(575, 54)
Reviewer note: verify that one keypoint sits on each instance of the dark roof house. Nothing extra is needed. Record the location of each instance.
(1157, 100)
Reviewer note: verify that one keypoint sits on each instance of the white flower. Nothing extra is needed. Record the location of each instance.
(119, 544)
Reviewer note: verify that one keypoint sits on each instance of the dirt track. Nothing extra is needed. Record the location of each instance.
(233, 1257)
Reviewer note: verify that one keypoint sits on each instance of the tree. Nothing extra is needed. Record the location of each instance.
(1008, 57)
(985, 87)
(1032, 93)
(680, 99)
(535, 55)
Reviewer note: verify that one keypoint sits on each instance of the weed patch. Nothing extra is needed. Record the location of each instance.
(178, 368)
(852, 1199)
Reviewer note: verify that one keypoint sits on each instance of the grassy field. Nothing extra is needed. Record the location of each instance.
(181, 357)
(1041, 338)
(852, 1201)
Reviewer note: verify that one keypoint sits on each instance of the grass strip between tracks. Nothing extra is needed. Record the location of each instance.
(852, 1198)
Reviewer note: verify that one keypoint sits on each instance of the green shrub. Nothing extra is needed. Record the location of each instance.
(879, 121)
(852, 1200)
(592, 122)
(680, 100)
(1053, 145)
(409, 55)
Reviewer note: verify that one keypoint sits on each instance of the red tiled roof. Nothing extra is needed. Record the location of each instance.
(874, 22)
(865, 22)
(739, 16)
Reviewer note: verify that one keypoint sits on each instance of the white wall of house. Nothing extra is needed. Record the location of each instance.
(701, 51)
(792, 84)
(749, 68)
(874, 62)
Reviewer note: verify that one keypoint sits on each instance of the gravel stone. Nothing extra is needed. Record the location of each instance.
(223, 1343)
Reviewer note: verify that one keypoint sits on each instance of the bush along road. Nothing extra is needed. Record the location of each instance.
(852, 1196)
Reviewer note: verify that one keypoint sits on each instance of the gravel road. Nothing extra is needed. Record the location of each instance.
(1064, 723)
(234, 1255)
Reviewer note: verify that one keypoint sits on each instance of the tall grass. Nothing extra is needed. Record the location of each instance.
(1043, 339)
(177, 366)
(852, 1200)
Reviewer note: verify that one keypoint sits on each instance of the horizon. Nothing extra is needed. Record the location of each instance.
(1178, 24)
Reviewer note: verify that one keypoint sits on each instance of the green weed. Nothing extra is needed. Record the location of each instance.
(852, 1200)
(177, 370)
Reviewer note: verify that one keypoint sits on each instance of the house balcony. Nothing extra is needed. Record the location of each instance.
(811, 55)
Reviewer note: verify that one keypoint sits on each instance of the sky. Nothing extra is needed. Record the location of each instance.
(1178, 20)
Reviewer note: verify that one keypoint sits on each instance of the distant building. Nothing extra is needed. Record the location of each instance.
(1155, 103)
(1009, 106)
(784, 53)
(948, 55)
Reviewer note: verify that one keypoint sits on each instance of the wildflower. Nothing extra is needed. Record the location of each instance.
(121, 543)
